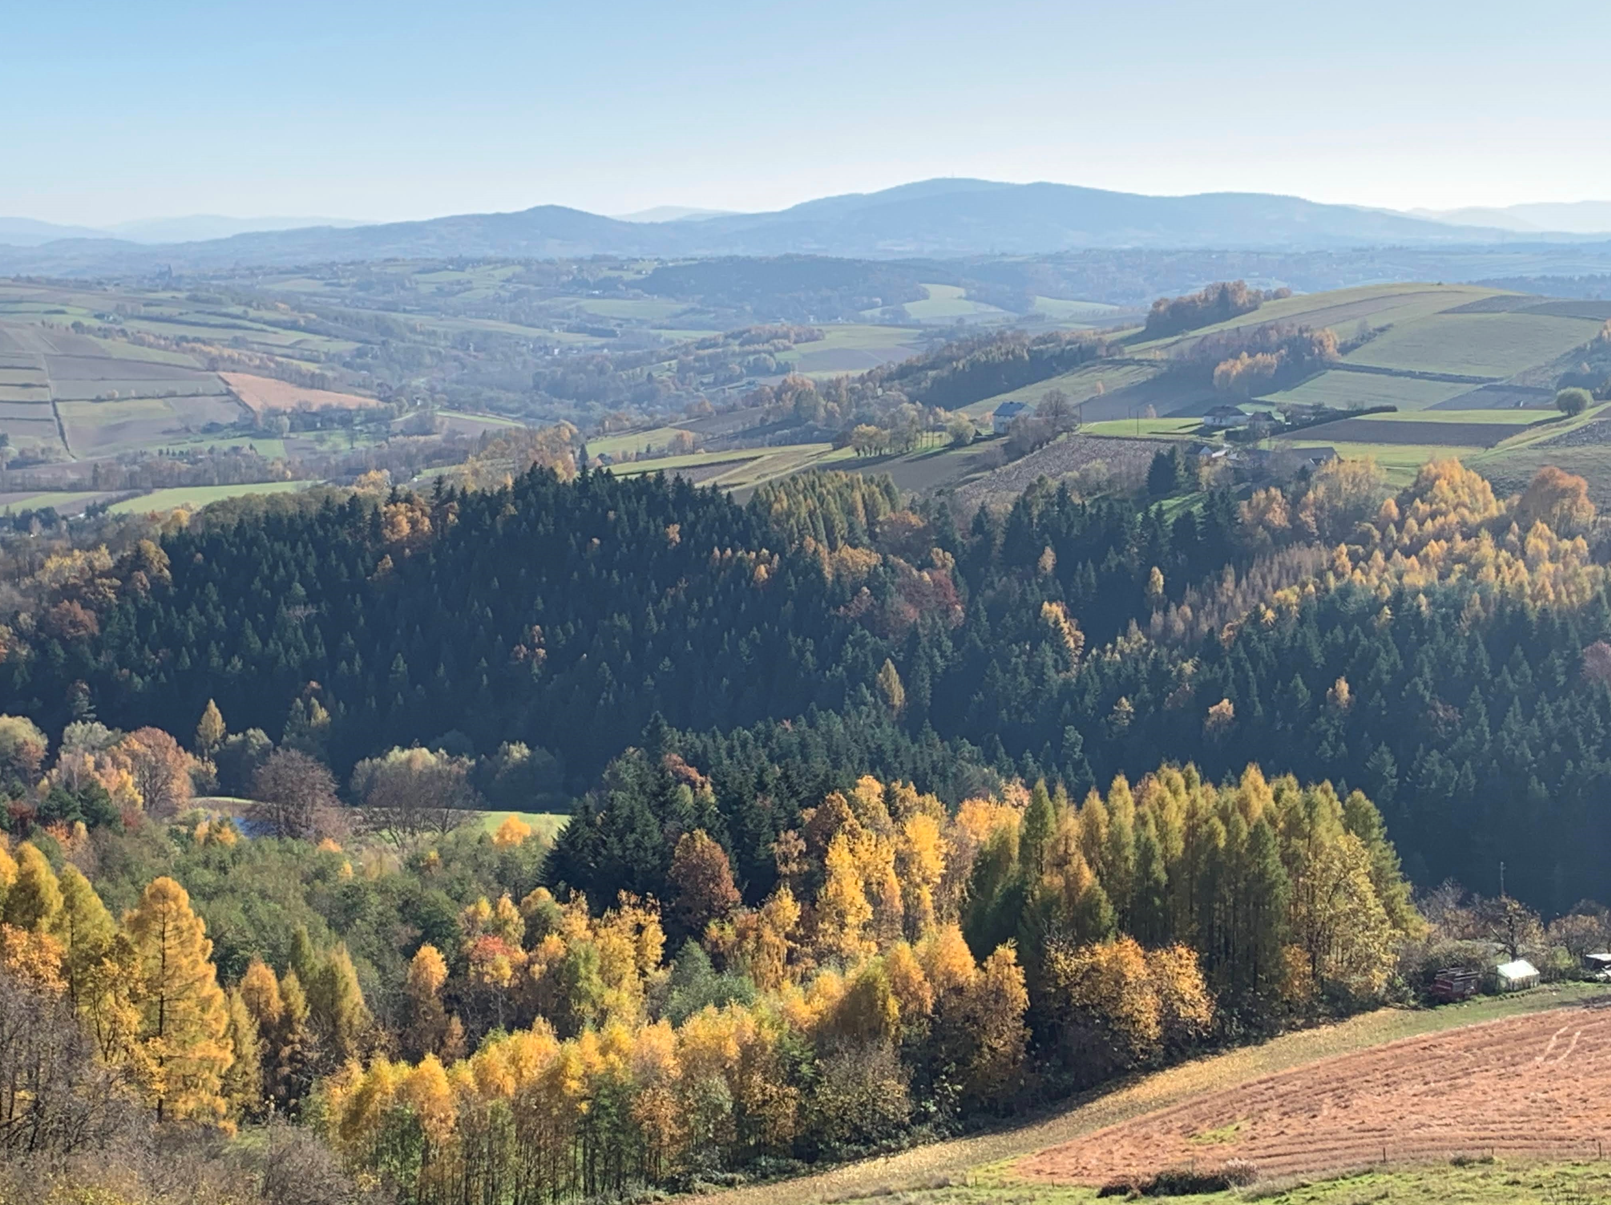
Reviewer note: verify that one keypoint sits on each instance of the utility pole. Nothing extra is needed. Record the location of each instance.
(1501, 879)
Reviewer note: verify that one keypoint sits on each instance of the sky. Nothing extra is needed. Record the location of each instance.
(410, 110)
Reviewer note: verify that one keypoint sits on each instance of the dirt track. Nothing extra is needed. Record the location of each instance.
(1533, 1085)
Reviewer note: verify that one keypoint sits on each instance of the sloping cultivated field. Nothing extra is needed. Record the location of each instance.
(1486, 345)
(940, 1173)
(1527, 1086)
(263, 394)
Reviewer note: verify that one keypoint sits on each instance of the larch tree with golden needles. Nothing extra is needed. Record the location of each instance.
(34, 900)
(184, 1015)
(210, 730)
(243, 1079)
(86, 929)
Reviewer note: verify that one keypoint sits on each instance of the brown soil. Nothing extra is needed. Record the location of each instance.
(1533, 1085)
(262, 394)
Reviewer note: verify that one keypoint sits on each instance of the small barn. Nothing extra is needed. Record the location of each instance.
(1516, 976)
(1001, 419)
(1455, 983)
(1598, 965)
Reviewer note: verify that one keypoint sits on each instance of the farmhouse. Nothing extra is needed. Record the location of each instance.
(1224, 417)
(1514, 976)
(1002, 419)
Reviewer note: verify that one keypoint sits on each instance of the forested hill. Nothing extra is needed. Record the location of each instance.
(1440, 648)
(561, 614)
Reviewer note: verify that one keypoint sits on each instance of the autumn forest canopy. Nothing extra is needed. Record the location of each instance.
(881, 818)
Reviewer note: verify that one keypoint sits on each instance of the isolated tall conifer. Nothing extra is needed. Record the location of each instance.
(86, 930)
(183, 1012)
(210, 730)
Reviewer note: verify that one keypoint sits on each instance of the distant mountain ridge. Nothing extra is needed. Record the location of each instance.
(1567, 217)
(932, 218)
(194, 228)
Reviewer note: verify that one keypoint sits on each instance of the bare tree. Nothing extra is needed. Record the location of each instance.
(408, 794)
(294, 795)
(1057, 410)
(56, 1095)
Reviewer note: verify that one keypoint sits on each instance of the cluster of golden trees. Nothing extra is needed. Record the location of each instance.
(1345, 525)
(811, 1037)
(146, 990)
(1449, 527)
(906, 954)
(108, 774)
(900, 970)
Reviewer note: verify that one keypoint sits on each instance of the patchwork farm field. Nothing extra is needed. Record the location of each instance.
(947, 303)
(853, 348)
(103, 428)
(1344, 310)
(1456, 434)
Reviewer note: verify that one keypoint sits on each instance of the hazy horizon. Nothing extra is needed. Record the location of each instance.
(410, 112)
(1473, 215)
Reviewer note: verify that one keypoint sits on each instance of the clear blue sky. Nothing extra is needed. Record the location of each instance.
(399, 110)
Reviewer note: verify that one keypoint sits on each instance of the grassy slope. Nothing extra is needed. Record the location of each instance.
(1495, 1183)
(1491, 345)
(961, 1156)
(199, 495)
(1346, 389)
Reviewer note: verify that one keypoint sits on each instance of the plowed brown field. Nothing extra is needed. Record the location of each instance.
(1535, 1085)
(263, 394)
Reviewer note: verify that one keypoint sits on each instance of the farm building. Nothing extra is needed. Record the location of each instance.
(1001, 419)
(1455, 983)
(1598, 964)
(1224, 417)
(1517, 975)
